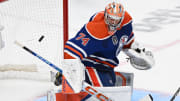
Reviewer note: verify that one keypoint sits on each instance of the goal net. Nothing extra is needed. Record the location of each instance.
(38, 25)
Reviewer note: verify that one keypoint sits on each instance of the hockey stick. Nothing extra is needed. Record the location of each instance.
(176, 93)
(86, 87)
(147, 98)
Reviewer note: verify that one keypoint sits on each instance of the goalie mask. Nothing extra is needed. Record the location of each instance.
(114, 14)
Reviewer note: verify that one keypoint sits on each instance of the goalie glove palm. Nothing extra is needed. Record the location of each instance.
(142, 60)
(139, 57)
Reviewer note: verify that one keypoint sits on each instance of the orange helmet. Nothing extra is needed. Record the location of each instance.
(114, 14)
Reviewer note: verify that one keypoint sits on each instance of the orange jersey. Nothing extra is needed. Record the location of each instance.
(97, 27)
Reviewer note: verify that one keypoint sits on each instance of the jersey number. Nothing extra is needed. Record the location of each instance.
(83, 39)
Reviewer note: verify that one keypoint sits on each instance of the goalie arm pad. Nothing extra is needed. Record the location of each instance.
(139, 57)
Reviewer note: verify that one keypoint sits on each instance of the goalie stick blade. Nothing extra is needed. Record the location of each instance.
(147, 98)
(176, 93)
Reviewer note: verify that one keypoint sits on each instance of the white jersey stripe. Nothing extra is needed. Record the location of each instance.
(67, 51)
(85, 59)
(130, 40)
(89, 76)
(98, 78)
(127, 23)
(77, 47)
(104, 59)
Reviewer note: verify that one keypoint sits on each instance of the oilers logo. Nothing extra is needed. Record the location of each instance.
(114, 39)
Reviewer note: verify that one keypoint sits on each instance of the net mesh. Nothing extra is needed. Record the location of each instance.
(27, 21)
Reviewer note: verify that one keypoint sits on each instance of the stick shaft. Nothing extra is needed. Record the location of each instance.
(38, 56)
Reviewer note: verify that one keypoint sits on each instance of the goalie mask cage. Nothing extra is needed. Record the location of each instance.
(38, 24)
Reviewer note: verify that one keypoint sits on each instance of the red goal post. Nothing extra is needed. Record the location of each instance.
(65, 20)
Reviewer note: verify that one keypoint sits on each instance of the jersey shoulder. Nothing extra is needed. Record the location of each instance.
(96, 27)
(127, 19)
(97, 16)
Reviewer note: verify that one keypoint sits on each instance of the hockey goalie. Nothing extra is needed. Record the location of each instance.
(91, 57)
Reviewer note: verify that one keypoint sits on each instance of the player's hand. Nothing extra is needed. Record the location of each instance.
(58, 80)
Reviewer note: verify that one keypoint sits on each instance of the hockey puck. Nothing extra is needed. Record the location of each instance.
(41, 38)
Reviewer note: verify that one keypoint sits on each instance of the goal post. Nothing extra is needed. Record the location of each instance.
(65, 20)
